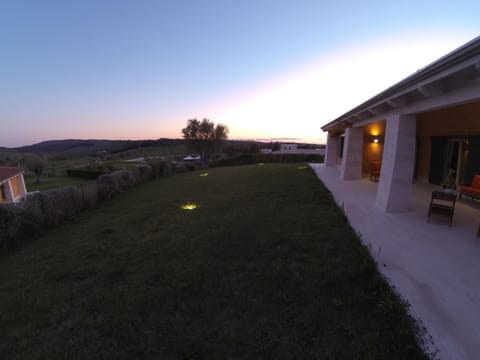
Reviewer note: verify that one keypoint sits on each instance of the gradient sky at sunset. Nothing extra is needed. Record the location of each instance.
(137, 69)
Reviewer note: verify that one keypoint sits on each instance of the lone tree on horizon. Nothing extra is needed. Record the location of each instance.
(37, 165)
(204, 137)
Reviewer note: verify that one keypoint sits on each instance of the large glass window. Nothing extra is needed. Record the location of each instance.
(341, 142)
(3, 193)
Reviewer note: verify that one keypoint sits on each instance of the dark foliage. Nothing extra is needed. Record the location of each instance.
(204, 137)
(245, 159)
(85, 173)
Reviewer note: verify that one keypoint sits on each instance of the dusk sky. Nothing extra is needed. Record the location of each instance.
(138, 69)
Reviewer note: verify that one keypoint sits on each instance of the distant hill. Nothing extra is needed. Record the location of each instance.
(92, 146)
(125, 148)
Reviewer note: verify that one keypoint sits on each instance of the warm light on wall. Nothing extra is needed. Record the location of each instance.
(374, 139)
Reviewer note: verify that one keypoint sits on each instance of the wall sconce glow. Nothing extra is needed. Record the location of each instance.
(204, 174)
(375, 140)
(189, 206)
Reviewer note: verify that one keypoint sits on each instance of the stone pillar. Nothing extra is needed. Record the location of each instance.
(331, 151)
(8, 192)
(23, 188)
(398, 162)
(352, 154)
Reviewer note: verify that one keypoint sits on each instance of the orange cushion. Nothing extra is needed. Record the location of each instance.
(476, 181)
(470, 189)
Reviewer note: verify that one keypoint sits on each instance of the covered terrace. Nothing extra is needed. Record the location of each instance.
(433, 266)
(422, 127)
(424, 130)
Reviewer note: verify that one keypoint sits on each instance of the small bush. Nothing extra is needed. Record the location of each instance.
(51, 208)
(116, 182)
(89, 195)
(178, 168)
(161, 168)
(125, 179)
(72, 201)
(10, 225)
(107, 186)
(143, 173)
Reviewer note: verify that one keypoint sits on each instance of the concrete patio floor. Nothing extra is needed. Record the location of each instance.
(434, 267)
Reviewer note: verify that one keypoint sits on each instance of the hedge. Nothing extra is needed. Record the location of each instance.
(245, 159)
(43, 210)
(85, 173)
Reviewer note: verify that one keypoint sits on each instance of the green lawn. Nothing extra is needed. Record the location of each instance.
(53, 182)
(155, 150)
(266, 267)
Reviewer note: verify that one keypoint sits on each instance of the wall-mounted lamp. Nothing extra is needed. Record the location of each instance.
(374, 139)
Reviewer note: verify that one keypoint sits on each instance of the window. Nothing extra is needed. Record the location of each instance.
(341, 142)
(3, 193)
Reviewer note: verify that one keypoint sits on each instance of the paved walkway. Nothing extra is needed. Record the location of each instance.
(434, 267)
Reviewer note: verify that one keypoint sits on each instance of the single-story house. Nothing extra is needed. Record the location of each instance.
(12, 185)
(425, 127)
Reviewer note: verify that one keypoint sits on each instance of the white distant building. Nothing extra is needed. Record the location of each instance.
(293, 149)
(288, 147)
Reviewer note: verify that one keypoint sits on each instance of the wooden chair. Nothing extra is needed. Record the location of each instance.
(442, 204)
(375, 168)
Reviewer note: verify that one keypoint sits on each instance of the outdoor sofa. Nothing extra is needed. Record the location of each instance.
(472, 190)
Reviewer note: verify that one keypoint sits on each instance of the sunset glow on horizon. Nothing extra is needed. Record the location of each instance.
(327, 87)
(140, 70)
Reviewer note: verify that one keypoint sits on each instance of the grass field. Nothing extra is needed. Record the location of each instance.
(48, 183)
(266, 267)
(155, 150)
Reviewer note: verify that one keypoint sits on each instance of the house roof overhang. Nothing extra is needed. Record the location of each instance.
(7, 173)
(459, 69)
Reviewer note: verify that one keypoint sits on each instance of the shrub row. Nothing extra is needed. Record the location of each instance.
(245, 159)
(43, 210)
(85, 173)
(48, 209)
(19, 222)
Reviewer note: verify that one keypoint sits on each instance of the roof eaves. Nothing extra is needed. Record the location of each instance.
(9, 173)
(461, 54)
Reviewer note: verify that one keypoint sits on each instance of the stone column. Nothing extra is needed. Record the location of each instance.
(398, 162)
(352, 154)
(23, 188)
(331, 151)
(8, 192)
